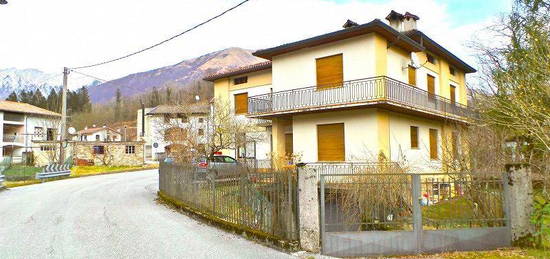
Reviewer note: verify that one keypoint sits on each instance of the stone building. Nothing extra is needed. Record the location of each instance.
(120, 153)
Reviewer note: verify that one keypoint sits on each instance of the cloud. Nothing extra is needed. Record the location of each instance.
(51, 34)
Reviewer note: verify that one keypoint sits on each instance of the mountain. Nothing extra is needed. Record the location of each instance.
(13, 79)
(179, 75)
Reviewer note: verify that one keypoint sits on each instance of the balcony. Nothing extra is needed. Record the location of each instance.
(379, 91)
(14, 118)
(14, 138)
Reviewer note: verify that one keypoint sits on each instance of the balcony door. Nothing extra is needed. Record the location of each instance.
(431, 90)
(330, 72)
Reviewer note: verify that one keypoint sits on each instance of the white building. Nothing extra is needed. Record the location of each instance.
(153, 124)
(22, 123)
(99, 134)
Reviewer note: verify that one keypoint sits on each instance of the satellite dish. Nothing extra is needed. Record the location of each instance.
(71, 130)
(414, 60)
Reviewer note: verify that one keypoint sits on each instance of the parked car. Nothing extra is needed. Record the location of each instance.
(219, 166)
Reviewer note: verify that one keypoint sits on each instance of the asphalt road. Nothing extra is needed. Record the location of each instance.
(109, 216)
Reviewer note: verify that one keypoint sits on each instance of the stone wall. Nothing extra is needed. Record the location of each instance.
(114, 153)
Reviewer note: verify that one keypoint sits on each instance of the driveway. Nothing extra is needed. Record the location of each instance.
(109, 216)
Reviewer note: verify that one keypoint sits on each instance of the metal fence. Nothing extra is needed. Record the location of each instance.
(385, 214)
(265, 202)
(355, 92)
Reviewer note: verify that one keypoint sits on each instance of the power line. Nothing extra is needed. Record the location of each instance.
(164, 41)
(90, 76)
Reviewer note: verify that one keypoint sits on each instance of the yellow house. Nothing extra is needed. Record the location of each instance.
(367, 92)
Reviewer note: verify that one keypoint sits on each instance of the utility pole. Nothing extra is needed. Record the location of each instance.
(66, 72)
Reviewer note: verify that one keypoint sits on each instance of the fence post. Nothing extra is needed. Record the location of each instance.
(417, 211)
(308, 209)
(519, 194)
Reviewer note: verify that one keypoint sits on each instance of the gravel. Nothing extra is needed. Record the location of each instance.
(109, 216)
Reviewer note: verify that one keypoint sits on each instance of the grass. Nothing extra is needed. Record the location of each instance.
(79, 171)
(21, 170)
(76, 171)
(510, 253)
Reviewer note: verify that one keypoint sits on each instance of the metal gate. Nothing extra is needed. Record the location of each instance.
(390, 214)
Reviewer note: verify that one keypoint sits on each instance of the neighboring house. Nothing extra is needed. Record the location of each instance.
(233, 87)
(99, 134)
(370, 92)
(22, 124)
(157, 122)
(111, 153)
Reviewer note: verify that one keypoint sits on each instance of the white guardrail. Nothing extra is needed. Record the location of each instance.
(51, 171)
(1, 180)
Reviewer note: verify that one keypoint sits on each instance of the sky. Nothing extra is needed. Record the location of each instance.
(48, 35)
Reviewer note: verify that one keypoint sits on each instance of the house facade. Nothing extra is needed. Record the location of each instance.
(371, 92)
(99, 134)
(22, 124)
(154, 125)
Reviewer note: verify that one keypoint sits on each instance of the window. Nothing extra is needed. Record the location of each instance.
(240, 80)
(130, 149)
(433, 144)
(241, 103)
(182, 117)
(99, 150)
(289, 145)
(201, 120)
(330, 72)
(431, 86)
(330, 142)
(452, 95)
(50, 134)
(412, 75)
(201, 132)
(97, 137)
(227, 159)
(46, 148)
(38, 132)
(430, 58)
(452, 70)
(414, 137)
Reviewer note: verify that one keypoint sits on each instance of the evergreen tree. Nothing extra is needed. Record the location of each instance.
(118, 105)
(168, 95)
(38, 99)
(53, 101)
(13, 97)
(155, 98)
(85, 99)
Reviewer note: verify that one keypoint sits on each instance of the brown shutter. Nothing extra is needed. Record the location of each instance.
(330, 72)
(453, 94)
(433, 144)
(412, 75)
(289, 148)
(414, 137)
(241, 103)
(330, 142)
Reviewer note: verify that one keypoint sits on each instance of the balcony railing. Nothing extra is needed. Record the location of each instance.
(372, 90)
(13, 138)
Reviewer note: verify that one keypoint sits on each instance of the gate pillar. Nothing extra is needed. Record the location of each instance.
(519, 196)
(308, 208)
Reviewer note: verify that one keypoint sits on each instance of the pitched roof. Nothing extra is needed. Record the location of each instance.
(439, 50)
(25, 108)
(374, 26)
(94, 130)
(240, 70)
(172, 109)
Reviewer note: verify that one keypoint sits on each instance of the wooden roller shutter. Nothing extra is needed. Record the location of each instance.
(453, 94)
(330, 72)
(241, 103)
(414, 137)
(289, 146)
(412, 75)
(431, 86)
(330, 142)
(433, 144)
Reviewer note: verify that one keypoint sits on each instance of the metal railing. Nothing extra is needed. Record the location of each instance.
(13, 138)
(379, 89)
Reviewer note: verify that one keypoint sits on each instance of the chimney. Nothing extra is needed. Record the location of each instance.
(402, 22)
(349, 23)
